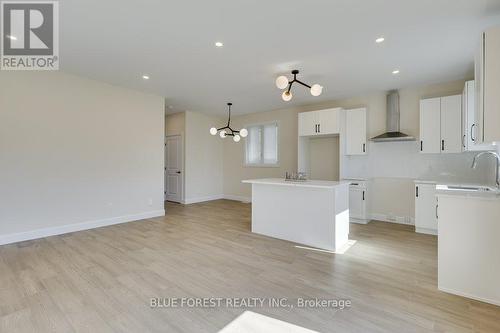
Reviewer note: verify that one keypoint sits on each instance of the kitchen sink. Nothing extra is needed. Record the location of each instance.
(470, 188)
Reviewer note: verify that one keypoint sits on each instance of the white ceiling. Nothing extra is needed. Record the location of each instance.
(332, 42)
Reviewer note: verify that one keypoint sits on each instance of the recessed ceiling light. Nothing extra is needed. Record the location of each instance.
(396, 71)
(219, 44)
(379, 40)
(11, 37)
(145, 77)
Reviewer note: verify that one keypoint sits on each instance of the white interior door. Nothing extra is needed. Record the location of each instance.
(173, 168)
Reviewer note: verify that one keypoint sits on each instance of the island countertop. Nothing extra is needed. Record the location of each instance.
(306, 183)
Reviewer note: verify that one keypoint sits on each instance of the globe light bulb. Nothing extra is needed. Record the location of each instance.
(222, 134)
(243, 132)
(236, 138)
(281, 82)
(287, 95)
(213, 131)
(316, 90)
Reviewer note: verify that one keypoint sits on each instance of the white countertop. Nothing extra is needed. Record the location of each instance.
(445, 190)
(307, 183)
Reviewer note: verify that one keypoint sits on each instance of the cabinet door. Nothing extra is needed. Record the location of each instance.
(491, 88)
(328, 121)
(430, 125)
(451, 124)
(469, 113)
(356, 132)
(425, 208)
(307, 123)
(477, 133)
(357, 203)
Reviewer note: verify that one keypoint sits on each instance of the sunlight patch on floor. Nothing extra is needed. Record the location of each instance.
(251, 322)
(342, 250)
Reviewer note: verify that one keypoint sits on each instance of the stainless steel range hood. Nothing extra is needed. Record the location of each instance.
(393, 133)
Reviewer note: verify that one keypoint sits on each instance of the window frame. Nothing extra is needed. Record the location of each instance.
(261, 164)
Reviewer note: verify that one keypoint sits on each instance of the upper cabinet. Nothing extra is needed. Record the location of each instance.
(355, 131)
(322, 122)
(441, 125)
(487, 81)
(451, 124)
(430, 125)
(468, 102)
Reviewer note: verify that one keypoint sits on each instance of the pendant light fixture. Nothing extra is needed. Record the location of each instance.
(282, 82)
(228, 131)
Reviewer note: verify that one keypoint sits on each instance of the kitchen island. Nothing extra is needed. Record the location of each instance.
(312, 212)
(468, 242)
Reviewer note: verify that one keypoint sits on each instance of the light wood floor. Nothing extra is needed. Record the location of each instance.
(102, 280)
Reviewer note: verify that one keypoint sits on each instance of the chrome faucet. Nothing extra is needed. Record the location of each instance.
(497, 159)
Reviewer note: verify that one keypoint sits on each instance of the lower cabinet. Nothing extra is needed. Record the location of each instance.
(358, 202)
(426, 210)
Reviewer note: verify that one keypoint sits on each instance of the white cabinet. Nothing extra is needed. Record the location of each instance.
(468, 247)
(322, 122)
(328, 121)
(441, 125)
(468, 103)
(425, 208)
(307, 123)
(487, 79)
(358, 197)
(355, 131)
(430, 125)
(451, 124)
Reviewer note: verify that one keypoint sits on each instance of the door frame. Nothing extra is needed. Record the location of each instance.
(181, 135)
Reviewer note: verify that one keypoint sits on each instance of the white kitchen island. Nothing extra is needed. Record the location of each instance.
(313, 213)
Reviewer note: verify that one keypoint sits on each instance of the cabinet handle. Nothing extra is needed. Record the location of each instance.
(463, 141)
(315, 128)
(442, 145)
(363, 195)
(472, 133)
(421, 145)
(416, 191)
(437, 216)
(319, 128)
(364, 147)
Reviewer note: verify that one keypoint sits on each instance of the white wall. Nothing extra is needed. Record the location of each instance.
(76, 154)
(203, 159)
(175, 124)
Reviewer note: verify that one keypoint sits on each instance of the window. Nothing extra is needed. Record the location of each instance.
(262, 145)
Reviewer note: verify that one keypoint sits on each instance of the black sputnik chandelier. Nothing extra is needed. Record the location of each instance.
(282, 82)
(228, 131)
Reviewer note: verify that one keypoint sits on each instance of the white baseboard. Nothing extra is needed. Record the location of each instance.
(358, 221)
(454, 292)
(393, 219)
(64, 229)
(217, 197)
(203, 199)
(238, 198)
(426, 231)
